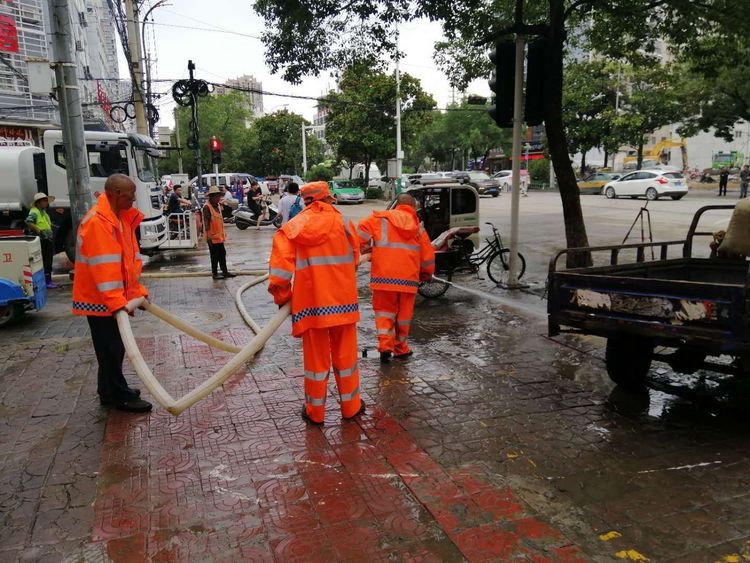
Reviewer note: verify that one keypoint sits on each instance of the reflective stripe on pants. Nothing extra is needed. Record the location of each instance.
(322, 347)
(393, 313)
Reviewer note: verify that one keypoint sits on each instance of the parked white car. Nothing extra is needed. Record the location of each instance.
(504, 177)
(652, 184)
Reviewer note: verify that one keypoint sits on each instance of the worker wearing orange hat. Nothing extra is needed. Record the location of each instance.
(402, 256)
(319, 250)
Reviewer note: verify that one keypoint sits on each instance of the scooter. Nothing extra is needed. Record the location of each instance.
(244, 217)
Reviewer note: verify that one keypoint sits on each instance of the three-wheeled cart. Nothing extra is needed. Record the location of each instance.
(22, 284)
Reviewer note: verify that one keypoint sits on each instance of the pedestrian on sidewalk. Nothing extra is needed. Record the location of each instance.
(291, 204)
(213, 222)
(107, 271)
(744, 180)
(39, 223)
(723, 181)
(402, 255)
(320, 252)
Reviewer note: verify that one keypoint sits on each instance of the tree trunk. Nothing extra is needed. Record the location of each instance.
(351, 171)
(583, 164)
(367, 172)
(575, 229)
(606, 158)
(639, 165)
(453, 158)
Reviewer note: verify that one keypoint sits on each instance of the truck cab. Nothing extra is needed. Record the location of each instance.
(111, 153)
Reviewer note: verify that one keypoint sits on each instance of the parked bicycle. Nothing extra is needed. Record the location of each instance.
(455, 255)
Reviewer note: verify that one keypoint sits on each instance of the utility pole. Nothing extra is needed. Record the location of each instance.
(71, 118)
(399, 152)
(177, 139)
(516, 176)
(136, 57)
(304, 150)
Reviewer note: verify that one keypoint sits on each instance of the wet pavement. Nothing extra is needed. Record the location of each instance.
(493, 443)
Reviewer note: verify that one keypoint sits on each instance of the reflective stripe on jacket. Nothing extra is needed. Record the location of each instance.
(215, 232)
(401, 251)
(108, 261)
(321, 253)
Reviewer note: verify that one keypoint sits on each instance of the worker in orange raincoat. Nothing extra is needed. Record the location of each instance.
(402, 256)
(321, 253)
(108, 265)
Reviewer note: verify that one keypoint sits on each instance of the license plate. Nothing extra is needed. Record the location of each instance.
(678, 183)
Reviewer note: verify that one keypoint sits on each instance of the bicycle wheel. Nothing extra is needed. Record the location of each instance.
(499, 264)
(433, 288)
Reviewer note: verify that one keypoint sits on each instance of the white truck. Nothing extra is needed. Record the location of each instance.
(25, 171)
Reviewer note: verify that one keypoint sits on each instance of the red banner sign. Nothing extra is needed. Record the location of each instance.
(8, 35)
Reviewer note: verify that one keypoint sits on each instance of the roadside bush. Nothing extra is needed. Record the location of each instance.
(374, 193)
(319, 172)
(539, 170)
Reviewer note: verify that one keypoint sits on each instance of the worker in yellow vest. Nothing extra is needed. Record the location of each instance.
(39, 224)
(213, 226)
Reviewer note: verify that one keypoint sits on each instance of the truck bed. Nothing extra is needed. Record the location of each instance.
(694, 301)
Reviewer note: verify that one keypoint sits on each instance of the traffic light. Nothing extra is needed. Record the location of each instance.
(215, 146)
(503, 58)
(536, 77)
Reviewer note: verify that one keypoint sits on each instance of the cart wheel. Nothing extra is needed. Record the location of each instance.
(9, 313)
(628, 360)
(499, 266)
(433, 288)
(686, 360)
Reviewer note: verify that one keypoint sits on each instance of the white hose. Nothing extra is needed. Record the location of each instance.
(178, 323)
(243, 355)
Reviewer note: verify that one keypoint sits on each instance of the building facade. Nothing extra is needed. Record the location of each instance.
(25, 116)
(248, 86)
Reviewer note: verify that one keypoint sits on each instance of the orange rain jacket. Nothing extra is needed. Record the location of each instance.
(319, 250)
(402, 254)
(215, 232)
(108, 261)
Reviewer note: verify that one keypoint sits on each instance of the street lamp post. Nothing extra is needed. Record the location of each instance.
(305, 129)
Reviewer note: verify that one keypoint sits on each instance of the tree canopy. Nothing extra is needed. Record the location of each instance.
(360, 124)
(305, 38)
(268, 145)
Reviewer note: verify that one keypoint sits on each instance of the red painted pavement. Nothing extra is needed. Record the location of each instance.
(240, 476)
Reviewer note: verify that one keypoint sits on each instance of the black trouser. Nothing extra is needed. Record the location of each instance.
(48, 252)
(722, 187)
(743, 189)
(110, 352)
(218, 257)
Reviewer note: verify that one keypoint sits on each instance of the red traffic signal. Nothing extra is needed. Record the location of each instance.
(214, 144)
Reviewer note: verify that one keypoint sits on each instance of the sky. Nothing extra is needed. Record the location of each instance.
(235, 49)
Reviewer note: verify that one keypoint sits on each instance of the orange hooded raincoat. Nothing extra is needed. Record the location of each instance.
(321, 253)
(108, 261)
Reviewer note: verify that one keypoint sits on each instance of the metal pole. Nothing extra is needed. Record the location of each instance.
(516, 177)
(194, 108)
(304, 151)
(71, 118)
(177, 138)
(136, 55)
(148, 63)
(399, 152)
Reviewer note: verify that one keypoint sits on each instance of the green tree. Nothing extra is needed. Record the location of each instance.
(654, 97)
(319, 172)
(589, 99)
(307, 38)
(275, 144)
(718, 68)
(223, 115)
(464, 132)
(361, 123)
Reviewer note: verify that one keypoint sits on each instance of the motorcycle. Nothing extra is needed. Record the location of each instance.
(244, 216)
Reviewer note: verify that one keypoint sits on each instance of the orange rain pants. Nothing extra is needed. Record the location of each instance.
(393, 312)
(319, 347)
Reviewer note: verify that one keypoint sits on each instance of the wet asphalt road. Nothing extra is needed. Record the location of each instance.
(614, 476)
